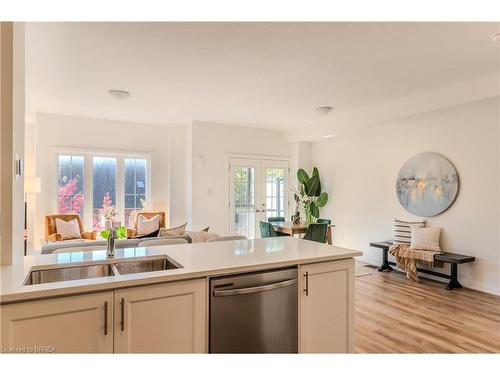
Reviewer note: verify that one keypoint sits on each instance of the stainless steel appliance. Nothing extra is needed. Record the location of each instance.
(254, 313)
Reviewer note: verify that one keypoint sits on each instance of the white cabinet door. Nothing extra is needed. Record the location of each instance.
(79, 324)
(327, 307)
(162, 318)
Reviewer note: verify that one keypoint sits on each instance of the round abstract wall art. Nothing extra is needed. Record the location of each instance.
(427, 184)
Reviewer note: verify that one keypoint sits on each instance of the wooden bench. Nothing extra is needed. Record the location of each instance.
(453, 259)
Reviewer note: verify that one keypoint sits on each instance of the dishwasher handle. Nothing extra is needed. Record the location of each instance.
(254, 289)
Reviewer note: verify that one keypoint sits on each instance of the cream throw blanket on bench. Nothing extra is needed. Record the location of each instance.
(407, 259)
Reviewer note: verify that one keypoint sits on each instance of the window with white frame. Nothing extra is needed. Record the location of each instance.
(135, 186)
(70, 184)
(103, 188)
(90, 184)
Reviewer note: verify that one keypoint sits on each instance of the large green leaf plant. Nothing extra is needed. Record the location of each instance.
(310, 195)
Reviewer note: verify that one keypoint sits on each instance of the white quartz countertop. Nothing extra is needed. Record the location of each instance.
(197, 260)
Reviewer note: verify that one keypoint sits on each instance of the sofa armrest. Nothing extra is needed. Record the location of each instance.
(54, 237)
(131, 232)
(89, 235)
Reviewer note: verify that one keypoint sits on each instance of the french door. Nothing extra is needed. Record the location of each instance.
(258, 189)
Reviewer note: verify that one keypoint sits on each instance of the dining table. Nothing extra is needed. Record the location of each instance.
(290, 228)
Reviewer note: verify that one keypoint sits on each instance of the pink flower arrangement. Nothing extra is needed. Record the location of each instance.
(108, 211)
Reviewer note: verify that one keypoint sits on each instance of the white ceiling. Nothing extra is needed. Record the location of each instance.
(270, 75)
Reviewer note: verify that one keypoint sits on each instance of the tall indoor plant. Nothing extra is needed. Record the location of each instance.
(310, 194)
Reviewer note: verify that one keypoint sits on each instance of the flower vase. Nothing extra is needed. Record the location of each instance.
(108, 224)
(309, 216)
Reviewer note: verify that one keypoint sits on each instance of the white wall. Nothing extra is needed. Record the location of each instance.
(180, 166)
(359, 172)
(211, 144)
(302, 152)
(55, 131)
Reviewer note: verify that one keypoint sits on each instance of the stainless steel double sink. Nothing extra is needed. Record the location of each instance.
(115, 267)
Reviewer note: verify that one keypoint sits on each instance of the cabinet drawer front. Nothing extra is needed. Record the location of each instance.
(78, 324)
(163, 318)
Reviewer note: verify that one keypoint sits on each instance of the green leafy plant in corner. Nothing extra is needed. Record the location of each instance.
(121, 233)
(310, 194)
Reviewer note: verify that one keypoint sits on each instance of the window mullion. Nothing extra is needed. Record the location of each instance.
(87, 191)
(120, 188)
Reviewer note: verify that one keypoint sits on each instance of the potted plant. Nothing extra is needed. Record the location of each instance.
(310, 195)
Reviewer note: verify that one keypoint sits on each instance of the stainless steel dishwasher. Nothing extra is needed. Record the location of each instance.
(254, 312)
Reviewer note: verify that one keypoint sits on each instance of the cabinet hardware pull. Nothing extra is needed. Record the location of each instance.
(122, 323)
(105, 318)
(306, 275)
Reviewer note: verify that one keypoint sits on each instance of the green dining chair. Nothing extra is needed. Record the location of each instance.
(267, 230)
(323, 221)
(316, 232)
(275, 219)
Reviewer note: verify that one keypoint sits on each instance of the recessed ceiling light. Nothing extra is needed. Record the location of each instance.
(324, 110)
(328, 136)
(496, 37)
(119, 94)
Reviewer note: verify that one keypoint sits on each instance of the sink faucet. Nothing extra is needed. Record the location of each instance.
(110, 248)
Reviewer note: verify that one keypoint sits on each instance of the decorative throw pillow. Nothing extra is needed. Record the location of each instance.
(425, 238)
(176, 231)
(68, 229)
(402, 231)
(202, 236)
(149, 235)
(147, 226)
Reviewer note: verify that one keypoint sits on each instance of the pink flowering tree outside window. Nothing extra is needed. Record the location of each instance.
(69, 199)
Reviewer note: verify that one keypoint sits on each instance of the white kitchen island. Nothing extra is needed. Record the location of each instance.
(167, 311)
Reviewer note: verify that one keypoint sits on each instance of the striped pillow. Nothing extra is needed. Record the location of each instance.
(402, 230)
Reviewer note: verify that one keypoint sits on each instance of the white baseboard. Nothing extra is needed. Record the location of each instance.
(471, 284)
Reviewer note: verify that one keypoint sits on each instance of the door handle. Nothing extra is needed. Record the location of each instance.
(254, 289)
(105, 318)
(306, 275)
(122, 322)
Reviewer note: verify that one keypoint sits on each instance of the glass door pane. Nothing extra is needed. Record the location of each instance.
(244, 201)
(244, 197)
(275, 188)
(275, 192)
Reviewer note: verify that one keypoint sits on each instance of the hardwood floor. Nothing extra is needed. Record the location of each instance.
(395, 315)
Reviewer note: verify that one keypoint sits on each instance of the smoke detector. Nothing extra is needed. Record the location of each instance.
(119, 94)
(324, 110)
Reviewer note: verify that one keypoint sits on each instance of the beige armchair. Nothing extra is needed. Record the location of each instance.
(51, 231)
(132, 231)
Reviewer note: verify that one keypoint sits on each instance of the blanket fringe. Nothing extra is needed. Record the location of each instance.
(407, 259)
